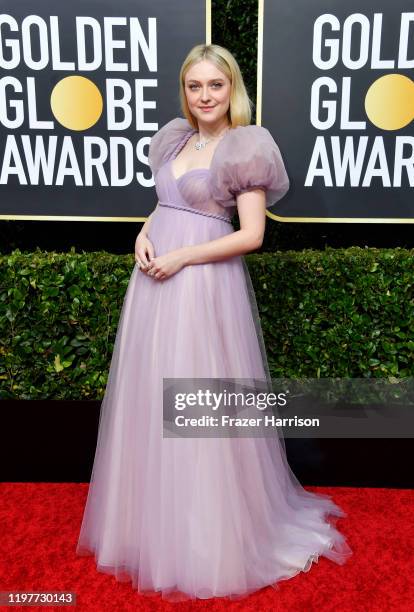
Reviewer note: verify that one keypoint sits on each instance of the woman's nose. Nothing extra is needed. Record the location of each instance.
(205, 95)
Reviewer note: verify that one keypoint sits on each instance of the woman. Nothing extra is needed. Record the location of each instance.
(199, 517)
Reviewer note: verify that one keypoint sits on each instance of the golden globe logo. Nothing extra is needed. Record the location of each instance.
(389, 102)
(76, 102)
(356, 44)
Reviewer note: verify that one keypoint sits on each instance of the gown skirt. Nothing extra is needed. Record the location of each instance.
(186, 518)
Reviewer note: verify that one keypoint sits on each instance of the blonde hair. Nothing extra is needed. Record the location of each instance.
(240, 108)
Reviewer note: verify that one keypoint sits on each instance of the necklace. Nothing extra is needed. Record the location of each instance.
(202, 144)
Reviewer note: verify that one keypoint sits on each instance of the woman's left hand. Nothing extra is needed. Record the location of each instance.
(164, 266)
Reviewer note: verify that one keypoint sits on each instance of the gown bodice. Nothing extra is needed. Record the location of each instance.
(246, 158)
(191, 190)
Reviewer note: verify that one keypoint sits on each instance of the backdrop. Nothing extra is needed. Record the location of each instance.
(335, 82)
(84, 85)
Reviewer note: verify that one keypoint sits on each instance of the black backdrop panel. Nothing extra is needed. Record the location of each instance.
(83, 86)
(41, 452)
(320, 60)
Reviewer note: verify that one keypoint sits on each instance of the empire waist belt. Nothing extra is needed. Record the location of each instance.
(195, 210)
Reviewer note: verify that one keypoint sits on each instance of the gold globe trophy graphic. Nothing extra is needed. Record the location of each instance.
(389, 102)
(76, 103)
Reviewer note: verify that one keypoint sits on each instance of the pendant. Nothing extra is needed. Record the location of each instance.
(201, 145)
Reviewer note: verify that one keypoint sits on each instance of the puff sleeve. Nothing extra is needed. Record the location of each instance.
(164, 142)
(248, 158)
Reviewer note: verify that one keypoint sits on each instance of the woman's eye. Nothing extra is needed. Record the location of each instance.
(192, 87)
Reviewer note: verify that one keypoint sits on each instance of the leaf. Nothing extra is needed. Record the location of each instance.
(58, 365)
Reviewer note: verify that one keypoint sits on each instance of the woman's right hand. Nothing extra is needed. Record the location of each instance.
(144, 251)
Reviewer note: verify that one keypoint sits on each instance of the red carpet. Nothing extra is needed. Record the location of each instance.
(40, 524)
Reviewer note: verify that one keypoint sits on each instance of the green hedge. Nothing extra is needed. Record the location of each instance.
(338, 312)
(345, 312)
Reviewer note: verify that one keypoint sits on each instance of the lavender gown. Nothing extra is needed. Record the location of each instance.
(197, 517)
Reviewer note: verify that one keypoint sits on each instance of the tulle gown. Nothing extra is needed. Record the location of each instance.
(190, 518)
